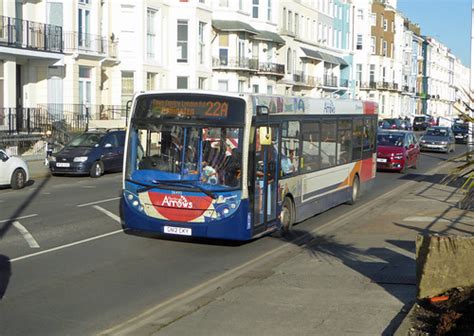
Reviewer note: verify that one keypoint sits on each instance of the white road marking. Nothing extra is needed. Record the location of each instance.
(16, 218)
(108, 213)
(88, 187)
(66, 246)
(28, 237)
(45, 193)
(98, 202)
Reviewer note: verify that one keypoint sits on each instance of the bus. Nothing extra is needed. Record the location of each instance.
(240, 166)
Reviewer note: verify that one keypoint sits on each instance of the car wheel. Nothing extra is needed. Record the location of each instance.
(97, 169)
(354, 190)
(18, 180)
(287, 216)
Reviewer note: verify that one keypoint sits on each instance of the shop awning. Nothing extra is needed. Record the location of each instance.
(322, 56)
(265, 35)
(233, 26)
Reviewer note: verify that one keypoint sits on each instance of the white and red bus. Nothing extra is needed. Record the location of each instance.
(238, 166)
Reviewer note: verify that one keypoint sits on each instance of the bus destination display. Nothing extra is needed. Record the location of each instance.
(189, 109)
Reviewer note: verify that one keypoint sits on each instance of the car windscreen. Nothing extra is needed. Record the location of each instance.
(441, 132)
(386, 139)
(85, 140)
(460, 128)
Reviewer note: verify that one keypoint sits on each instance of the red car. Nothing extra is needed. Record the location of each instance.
(397, 150)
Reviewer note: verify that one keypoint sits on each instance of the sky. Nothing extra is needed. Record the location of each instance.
(448, 21)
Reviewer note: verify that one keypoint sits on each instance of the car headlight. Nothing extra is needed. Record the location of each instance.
(398, 156)
(80, 159)
(444, 142)
(133, 200)
(423, 141)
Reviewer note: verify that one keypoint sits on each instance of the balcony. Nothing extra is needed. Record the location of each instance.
(89, 44)
(241, 63)
(271, 69)
(330, 81)
(300, 79)
(368, 85)
(24, 34)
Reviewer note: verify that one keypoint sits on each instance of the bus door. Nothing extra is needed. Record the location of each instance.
(266, 184)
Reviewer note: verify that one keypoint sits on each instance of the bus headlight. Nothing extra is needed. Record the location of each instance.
(133, 200)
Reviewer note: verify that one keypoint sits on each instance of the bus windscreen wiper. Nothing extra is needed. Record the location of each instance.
(170, 185)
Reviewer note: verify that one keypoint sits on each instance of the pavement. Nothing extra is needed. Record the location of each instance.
(355, 275)
(36, 166)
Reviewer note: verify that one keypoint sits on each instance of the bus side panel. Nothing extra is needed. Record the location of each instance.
(368, 169)
(323, 203)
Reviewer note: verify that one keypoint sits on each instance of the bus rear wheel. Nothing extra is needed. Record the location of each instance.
(287, 216)
(354, 190)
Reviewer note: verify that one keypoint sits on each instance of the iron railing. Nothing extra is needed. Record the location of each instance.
(27, 34)
(329, 80)
(88, 43)
(235, 63)
(272, 68)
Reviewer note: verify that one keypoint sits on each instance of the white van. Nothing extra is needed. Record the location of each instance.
(13, 171)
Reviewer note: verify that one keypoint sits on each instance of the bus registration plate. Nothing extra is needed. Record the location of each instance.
(177, 230)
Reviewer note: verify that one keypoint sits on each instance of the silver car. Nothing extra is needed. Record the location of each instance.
(438, 139)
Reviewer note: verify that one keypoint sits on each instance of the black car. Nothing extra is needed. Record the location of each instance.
(93, 153)
(461, 132)
(421, 123)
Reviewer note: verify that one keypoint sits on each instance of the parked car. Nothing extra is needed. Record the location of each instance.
(421, 123)
(461, 132)
(13, 171)
(397, 150)
(93, 153)
(438, 139)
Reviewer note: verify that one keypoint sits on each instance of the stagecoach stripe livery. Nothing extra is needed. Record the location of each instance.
(239, 166)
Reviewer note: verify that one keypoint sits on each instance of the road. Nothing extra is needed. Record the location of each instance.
(67, 268)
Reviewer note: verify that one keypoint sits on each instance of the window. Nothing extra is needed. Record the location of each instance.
(372, 45)
(357, 136)
(150, 33)
(328, 143)
(223, 3)
(369, 137)
(202, 26)
(150, 80)
(182, 41)
(372, 73)
(202, 83)
(359, 42)
(297, 25)
(83, 24)
(223, 85)
(358, 74)
(284, 18)
(290, 21)
(385, 24)
(255, 8)
(269, 89)
(127, 87)
(311, 159)
(269, 10)
(241, 85)
(373, 19)
(182, 82)
(241, 4)
(384, 51)
(223, 48)
(255, 88)
(290, 147)
(289, 67)
(360, 14)
(344, 141)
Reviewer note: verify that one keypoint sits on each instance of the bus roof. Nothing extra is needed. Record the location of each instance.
(280, 104)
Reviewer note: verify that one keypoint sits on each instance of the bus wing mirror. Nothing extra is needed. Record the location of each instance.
(265, 135)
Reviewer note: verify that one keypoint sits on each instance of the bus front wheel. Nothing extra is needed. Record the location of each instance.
(354, 190)
(287, 215)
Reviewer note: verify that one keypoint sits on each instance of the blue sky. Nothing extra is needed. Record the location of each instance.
(448, 21)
